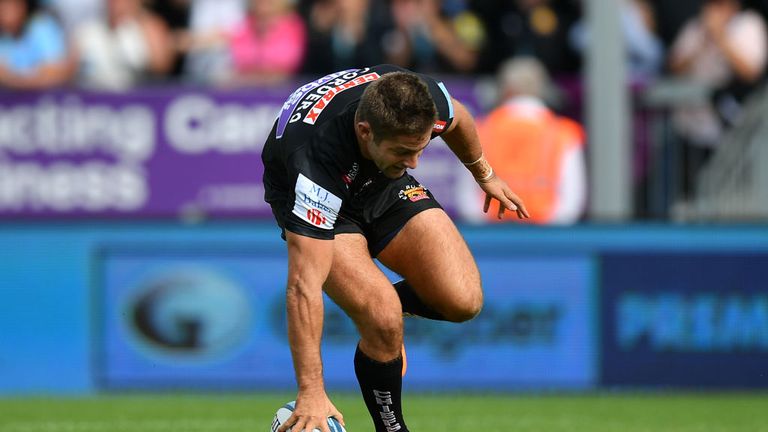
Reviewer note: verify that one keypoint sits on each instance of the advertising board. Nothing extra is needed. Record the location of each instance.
(169, 317)
(690, 319)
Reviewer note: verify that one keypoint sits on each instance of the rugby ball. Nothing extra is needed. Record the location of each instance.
(286, 410)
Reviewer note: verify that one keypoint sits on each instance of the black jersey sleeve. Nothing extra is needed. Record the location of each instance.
(443, 103)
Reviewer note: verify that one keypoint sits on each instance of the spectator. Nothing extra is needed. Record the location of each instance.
(202, 43)
(671, 16)
(426, 41)
(128, 46)
(644, 48)
(74, 13)
(345, 34)
(175, 14)
(535, 28)
(724, 49)
(33, 50)
(538, 153)
(268, 46)
(721, 46)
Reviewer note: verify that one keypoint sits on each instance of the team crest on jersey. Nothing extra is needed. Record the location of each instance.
(413, 193)
(314, 204)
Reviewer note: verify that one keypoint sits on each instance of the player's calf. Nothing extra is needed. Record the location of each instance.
(381, 385)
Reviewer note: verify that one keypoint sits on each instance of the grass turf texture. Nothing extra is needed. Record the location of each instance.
(424, 413)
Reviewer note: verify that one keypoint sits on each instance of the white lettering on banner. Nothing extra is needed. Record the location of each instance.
(69, 127)
(701, 323)
(314, 204)
(65, 186)
(195, 124)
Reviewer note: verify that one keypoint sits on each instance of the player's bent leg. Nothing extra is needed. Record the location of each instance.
(360, 288)
(435, 261)
(357, 285)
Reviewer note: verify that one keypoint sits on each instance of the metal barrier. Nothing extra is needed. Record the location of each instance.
(734, 184)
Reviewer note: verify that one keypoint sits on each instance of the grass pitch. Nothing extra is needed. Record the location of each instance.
(424, 413)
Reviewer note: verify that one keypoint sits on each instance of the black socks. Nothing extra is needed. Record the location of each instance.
(413, 305)
(381, 385)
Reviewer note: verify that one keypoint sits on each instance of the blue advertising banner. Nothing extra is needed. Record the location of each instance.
(536, 330)
(685, 319)
(175, 318)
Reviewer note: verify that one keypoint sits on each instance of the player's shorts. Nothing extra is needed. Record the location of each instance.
(380, 215)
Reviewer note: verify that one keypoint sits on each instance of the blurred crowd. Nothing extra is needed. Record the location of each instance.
(117, 44)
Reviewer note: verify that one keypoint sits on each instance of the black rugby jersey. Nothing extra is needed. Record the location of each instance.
(313, 167)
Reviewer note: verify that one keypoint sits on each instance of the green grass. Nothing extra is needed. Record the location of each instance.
(424, 413)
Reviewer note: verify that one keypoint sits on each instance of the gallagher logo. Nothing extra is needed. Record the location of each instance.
(315, 216)
(413, 193)
(194, 314)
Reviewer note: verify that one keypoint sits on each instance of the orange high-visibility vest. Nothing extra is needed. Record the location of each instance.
(525, 146)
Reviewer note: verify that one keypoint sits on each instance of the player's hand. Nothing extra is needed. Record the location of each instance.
(496, 188)
(311, 412)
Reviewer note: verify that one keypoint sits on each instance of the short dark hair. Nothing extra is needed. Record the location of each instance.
(397, 104)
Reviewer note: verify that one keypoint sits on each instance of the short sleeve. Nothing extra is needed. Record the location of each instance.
(48, 39)
(443, 103)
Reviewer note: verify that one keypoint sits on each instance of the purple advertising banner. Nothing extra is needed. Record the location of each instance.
(157, 153)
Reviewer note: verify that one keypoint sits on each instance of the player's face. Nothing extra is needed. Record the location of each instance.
(394, 156)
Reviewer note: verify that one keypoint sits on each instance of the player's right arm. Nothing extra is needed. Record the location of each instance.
(309, 262)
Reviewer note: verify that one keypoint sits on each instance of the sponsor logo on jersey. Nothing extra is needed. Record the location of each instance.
(314, 204)
(315, 217)
(286, 113)
(439, 126)
(413, 193)
(350, 176)
(319, 106)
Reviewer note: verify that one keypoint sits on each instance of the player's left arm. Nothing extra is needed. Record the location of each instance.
(462, 138)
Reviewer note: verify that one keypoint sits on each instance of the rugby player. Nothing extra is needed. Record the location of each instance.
(336, 176)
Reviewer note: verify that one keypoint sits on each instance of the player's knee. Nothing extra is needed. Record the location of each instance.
(384, 330)
(465, 307)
